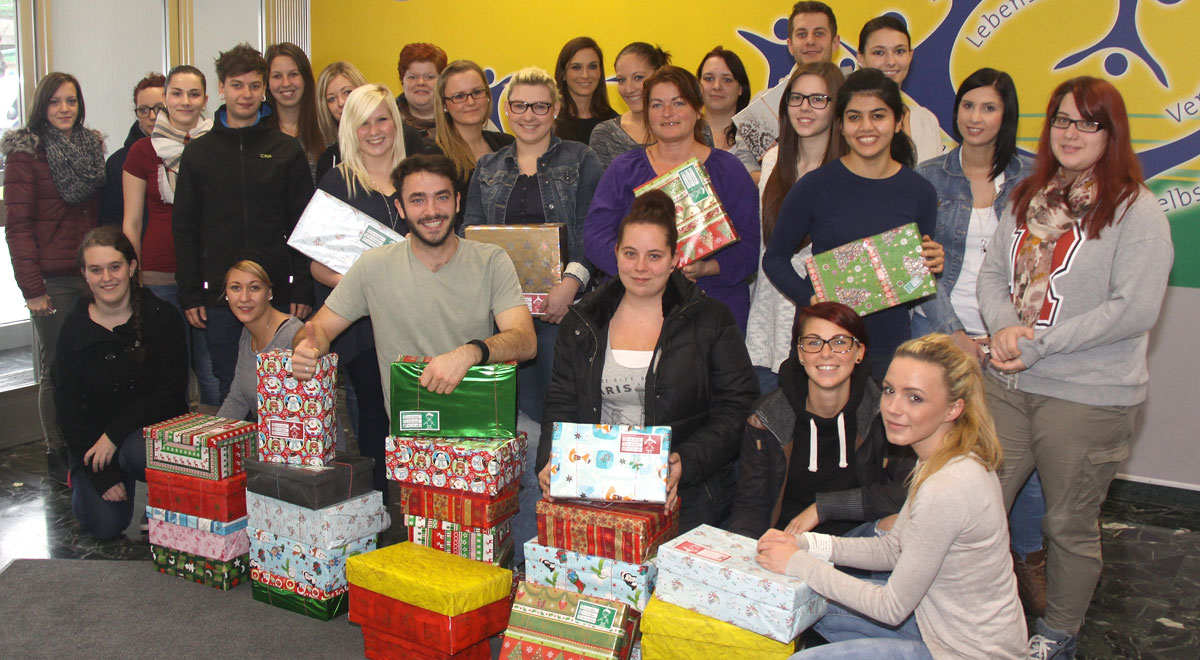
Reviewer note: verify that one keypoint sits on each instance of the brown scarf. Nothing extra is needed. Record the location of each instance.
(1053, 210)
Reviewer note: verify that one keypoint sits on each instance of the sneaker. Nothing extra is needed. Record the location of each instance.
(1031, 582)
(1051, 644)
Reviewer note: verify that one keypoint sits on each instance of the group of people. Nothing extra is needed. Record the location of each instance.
(890, 445)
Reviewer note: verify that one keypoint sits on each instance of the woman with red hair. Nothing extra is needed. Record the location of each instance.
(419, 66)
(1069, 293)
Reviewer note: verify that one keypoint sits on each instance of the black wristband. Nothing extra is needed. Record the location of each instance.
(485, 353)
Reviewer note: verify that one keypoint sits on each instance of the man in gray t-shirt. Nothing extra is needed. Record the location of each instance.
(432, 295)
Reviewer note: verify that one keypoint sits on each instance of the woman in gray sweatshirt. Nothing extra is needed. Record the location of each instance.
(1069, 289)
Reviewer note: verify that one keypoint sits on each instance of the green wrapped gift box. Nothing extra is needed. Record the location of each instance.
(874, 273)
(554, 623)
(223, 575)
(323, 609)
(484, 405)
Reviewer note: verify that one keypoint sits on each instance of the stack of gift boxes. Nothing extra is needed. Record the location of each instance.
(196, 488)
(310, 509)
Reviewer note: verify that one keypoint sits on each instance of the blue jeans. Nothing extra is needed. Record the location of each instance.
(1025, 518)
(768, 381)
(198, 357)
(524, 524)
(98, 517)
(533, 378)
(852, 636)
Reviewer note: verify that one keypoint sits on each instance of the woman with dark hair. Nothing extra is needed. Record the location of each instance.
(884, 44)
(52, 181)
(117, 369)
(419, 66)
(672, 122)
(1069, 292)
(613, 137)
(463, 102)
(147, 104)
(726, 90)
(292, 96)
(583, 88)
(648, 347)
(814, 455)
(806, 142)
(865, 192)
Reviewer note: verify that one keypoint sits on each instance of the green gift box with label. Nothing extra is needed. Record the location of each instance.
(484, 405)
(874, 273)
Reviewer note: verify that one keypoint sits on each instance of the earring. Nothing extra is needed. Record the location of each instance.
(802, 363)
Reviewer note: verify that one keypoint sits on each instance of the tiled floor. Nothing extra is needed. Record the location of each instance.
(1147, 604)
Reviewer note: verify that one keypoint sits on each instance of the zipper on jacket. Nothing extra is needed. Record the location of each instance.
(245, 205)
(592, 358)
(652, 372)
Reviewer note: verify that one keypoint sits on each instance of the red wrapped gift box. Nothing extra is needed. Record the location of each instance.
(380, 645)
(223, 500)
(430, 630)
(625, 532)
(457, 506)
(296, 419)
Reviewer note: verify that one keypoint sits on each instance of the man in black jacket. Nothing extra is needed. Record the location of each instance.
(242, 185)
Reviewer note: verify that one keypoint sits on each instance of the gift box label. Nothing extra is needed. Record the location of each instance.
(403, 571)
(536, 302)
(703, 225)
(873, 273)
(702, 552)
(483, 405)
(464, 508)
(329, 527)
(482, 466)
(624, 582)
(610, 462)
(614, 530)
(199, 445)
(296, 420)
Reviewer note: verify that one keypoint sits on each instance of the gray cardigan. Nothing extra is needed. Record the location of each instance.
(242, 400)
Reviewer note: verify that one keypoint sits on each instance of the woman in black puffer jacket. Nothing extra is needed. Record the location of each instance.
(650, 348)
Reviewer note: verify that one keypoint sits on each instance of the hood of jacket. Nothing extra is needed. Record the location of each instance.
(24, 140)
(782, 409)
(135, 134)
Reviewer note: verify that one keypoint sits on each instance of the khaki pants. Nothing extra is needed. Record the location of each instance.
(1076, 448)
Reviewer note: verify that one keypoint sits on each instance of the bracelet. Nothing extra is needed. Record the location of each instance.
(485, 353)
(820, 546)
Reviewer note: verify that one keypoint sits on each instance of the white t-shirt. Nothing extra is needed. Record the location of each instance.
(963, 298)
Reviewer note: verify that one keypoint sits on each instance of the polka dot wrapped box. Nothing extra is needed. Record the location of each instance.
(875, 273)
(296, 419)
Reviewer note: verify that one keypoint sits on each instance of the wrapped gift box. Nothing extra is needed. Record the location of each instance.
(674, 633)
(199, 445)
(481, 466)
(873, 273)
(483, 405)
(621, 581)
(299, 587)
(221, 547)
(494, 545)
(458, 506)
(610, 462)
(614, 530)
(383, 645)
(715, 572)
(703, 225)
(538, 252)
(758, 123)
(555, 623)
(430, 630)
(223, 575)
(223, 500)
(203, 524)
(296, 419)
(323, 568)
(333, 233)
(332, 526)
(429, 579)
(278, 591)
(312, 486)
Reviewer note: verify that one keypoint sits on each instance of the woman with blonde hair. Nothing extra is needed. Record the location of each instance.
(334, 86)
(951, 592)
(463, 104)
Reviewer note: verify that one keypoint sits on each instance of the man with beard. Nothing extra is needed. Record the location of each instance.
(434, 294)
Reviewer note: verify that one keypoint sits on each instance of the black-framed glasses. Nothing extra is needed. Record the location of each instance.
(815, 101)
(837, 344)
(538, 107)
(461, 97)
(146, 110)
(1082, 125)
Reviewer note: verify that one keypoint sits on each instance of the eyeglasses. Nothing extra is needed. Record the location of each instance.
(815, 101)
(147, 110)
(838, 344)
(461, 97)
(519, 107)
(1082, 125)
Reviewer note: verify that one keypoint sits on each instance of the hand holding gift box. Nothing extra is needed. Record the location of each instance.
(704, 227)
(874, 273)
(296, 419)
(538, 253)
(483, 405)
(610, 462)
(333, 233)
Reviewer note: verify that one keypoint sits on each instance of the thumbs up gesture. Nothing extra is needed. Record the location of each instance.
(311, 344)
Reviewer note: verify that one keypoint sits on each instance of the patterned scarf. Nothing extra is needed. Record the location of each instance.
(1053, 210)
(168, 144)
(76, 162)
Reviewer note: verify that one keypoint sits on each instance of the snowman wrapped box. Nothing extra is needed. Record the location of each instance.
(714, 572)
(484, 466)
(320, 567)
(610, 462)
(622, 581)
(296, 419)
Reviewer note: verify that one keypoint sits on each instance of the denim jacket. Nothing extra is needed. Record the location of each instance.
(567, 176)
(953, 218)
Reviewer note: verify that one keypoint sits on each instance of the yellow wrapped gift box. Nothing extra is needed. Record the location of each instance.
(430, 579)
(670, 632)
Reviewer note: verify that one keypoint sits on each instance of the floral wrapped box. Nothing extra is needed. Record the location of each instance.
(481, 466)
(614, 530)
(670, 632)
(296, 419)
(704, 227)
(621, 581)
(874, 273)
(458, 506)
(199, 445)
(483, 405)
(610, 462)
(330, 527)
(221, 547)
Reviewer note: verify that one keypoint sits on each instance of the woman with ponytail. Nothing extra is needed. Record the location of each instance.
(120, 366)
(951, 593)
(649, 347)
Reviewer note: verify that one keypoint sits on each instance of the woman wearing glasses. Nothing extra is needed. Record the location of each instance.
(1070, 292)
(147, 103)
(814, 455)
(464, 102)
